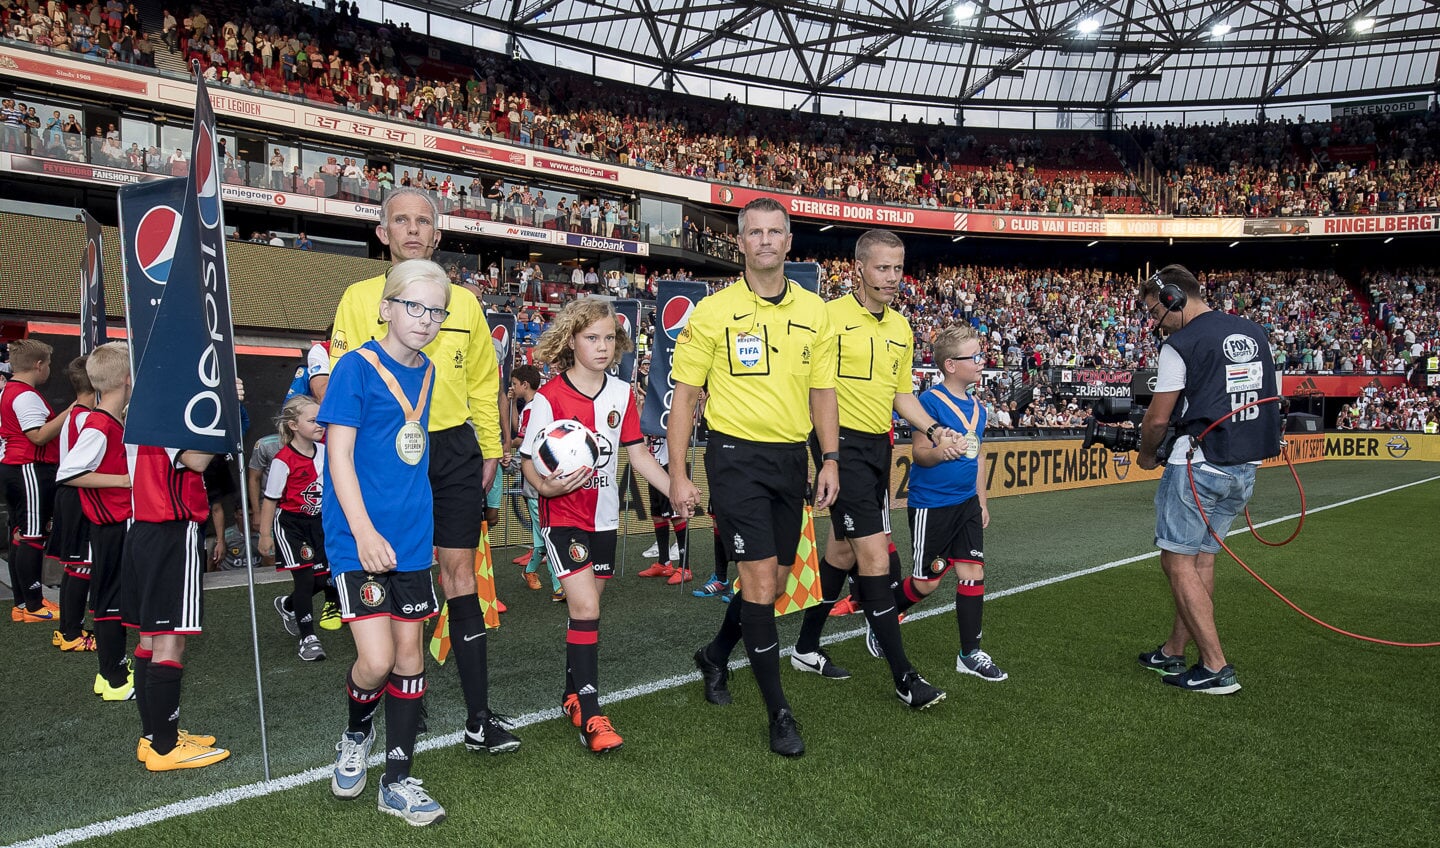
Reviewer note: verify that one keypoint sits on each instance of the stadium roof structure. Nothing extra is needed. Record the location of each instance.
(1085, 55)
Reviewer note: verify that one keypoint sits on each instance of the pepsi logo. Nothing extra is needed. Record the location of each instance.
(92, 264)
(674, 315)
(207, 178)
(501, 338)
(155, 240)
(623, 321)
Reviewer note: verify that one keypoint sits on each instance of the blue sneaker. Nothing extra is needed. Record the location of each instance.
(713, 588)
(351, 753)
(1161, 662)
(1201, 679)
(409, 801)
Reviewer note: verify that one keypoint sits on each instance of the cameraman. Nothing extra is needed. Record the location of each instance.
(1209, 364)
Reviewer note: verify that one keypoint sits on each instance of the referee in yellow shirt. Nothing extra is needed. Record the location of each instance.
(874, 357)
(465, 448)
(765, 350)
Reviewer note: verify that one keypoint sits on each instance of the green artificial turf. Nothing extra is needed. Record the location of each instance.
(1329, 743)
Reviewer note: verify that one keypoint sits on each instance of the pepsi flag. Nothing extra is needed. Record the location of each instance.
(92, 287)
(149, 232)
(184, 394)
(806, 274)
(627, 313)
(502, 333)
(674, 301)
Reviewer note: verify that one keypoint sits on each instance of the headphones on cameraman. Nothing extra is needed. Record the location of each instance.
(1170, 296)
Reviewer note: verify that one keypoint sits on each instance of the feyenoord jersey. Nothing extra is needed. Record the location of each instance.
(611, 415)
(100, 447)
(163, 489)
(294, 480)
(74, 420)
(660, 449)
(22, 409)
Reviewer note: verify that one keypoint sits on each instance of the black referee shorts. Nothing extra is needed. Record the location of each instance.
(860, 508)
(758, 492)
(456, 469)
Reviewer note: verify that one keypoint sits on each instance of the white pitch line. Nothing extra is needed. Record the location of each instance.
(316, 775)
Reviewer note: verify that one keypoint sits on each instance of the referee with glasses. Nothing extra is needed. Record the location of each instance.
(765, 349)
(875, 350)
(465, 448)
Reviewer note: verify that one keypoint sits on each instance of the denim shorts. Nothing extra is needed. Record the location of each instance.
(1224, 492)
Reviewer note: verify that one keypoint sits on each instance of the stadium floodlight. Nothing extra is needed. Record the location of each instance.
(1089, 26)
(827, 227)
(1220, 30)
(966, 12)
(1363, 24)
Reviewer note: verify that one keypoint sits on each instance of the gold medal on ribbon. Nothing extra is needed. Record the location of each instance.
(970, 438)
(410, 440)
(972, 446)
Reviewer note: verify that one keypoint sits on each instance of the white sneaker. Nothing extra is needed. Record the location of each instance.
(408, 800)
(674, 552)
(652, 551)
(351, 752)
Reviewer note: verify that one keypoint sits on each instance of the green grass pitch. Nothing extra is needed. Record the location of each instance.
(1331, 741)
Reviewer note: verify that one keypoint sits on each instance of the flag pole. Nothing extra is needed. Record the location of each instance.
(254, 621)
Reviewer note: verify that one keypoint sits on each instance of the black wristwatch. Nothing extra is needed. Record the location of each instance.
(831, 456)
(930, 431)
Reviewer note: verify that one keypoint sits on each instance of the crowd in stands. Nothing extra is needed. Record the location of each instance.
(329, 55)
(1401, 408)
(109, 31)
(1282, 168)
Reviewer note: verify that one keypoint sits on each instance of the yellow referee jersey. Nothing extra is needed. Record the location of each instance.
(758, 360)
(467, 377)
(874, 357)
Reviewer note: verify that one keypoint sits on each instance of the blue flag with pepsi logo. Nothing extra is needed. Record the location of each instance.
(627, 314)
(92, 287)
(674, 301)
(502, 334)
(184, 391)
(149, 233)
(806, 274)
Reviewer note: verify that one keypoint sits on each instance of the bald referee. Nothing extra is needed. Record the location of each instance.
(465, 442)
(766, 350)
(874, 355)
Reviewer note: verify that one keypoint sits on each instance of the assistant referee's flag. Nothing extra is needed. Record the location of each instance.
(92, 287)
(184, 391)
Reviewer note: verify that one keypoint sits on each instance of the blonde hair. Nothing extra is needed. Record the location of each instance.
(290, 414)
(27, 354)
(948, 341)
(402, 274)
(108, 366)
(554, 345)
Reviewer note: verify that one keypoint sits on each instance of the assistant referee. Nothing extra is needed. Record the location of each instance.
(765, 348)
(465, 433)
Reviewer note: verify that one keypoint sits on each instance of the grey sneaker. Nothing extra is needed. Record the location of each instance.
(351, 753)
(310, 649)
(409, 800)
(978, 663)
(1163, 663)
(287, 617)
(1201, 679)
(818, 662)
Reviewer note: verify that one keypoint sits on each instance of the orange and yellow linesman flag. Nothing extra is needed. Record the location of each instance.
(485, 579)
(485, 589)
(802, 586)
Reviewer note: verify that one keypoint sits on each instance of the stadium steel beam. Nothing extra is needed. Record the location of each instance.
(1187, 38)
(1335, 33)
(729, 29)
(648, 15)
(788, 27)
(903, 30)
(1014, 60)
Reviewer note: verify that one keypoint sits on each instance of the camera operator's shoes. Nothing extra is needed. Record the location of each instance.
(978, 663)
(1201, 679)
(1163, 663)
